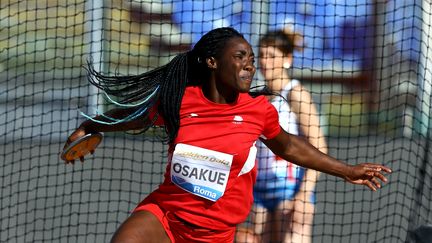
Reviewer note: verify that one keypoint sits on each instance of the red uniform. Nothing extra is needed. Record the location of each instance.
(227, 134)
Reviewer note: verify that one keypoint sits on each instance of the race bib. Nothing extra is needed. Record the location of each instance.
(200, 171)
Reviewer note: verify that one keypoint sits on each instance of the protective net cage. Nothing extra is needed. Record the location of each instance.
(366, 63)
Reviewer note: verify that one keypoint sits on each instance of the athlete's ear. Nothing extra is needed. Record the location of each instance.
(288, 59)
(211, 62)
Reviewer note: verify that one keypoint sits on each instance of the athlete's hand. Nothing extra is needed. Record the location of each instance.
(367, 174)
(78, 133)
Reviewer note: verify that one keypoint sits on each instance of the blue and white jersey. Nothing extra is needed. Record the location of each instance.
(277, 178)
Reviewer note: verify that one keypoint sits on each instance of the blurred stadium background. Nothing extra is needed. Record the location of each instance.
(367, 63)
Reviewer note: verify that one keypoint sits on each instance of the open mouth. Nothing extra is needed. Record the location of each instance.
(246, 78)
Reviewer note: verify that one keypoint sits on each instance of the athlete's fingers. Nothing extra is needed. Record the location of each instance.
(92, 151)
(369, 173)
(381, 177)
(376, 182)
(377, 167)
(370, 185)
(386, 169)
(372, 168)
(376, 172)
(81, 158)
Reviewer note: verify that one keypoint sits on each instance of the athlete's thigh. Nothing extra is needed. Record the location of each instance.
(283, 221)
(259, 218)
(141, 227)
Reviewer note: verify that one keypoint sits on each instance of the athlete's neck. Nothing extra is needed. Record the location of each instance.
(218, 94)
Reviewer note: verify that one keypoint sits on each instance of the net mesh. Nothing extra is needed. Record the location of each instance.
(366, 63)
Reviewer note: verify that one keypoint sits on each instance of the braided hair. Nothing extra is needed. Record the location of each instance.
(164, 86)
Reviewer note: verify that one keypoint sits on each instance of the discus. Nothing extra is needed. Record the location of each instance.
(81, 147)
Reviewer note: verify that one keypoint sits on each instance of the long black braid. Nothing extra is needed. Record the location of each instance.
(165, 85)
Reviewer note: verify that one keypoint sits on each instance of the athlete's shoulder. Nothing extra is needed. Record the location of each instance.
(260, 104)
(192, 90)
(258, 98)
(192, 94)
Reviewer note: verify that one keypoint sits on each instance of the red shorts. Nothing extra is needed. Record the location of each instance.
(180, 231)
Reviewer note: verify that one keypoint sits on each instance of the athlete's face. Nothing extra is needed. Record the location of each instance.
(273, 65)
(236, 68)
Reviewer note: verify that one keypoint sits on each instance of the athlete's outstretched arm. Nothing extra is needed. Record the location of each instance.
(90, 126)
(298, 150)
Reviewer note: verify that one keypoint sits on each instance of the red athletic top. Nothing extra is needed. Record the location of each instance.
(227, 128)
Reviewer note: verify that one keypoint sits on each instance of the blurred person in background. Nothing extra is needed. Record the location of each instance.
(284, 192)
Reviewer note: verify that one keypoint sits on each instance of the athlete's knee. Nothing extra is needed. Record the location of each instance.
(141, 227)
(128, 236)
(139, 236)
(305, 214)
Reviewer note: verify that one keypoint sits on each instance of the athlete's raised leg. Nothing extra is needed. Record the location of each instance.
(141, 227)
